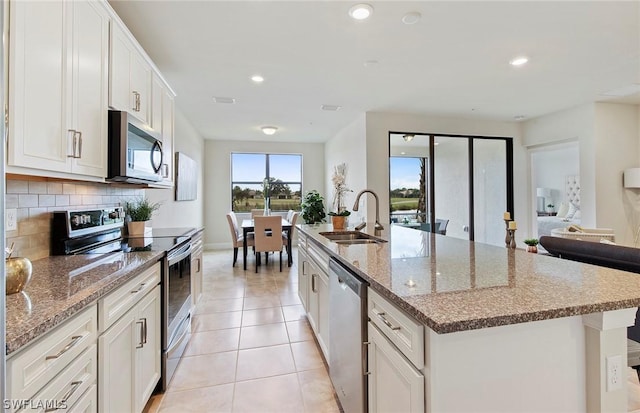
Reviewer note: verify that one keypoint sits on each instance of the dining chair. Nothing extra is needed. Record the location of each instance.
(285, 235)
(236, 236)
(442, 229)
(268, 237)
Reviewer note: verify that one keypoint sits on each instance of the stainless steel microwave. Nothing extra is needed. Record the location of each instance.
(135, 150)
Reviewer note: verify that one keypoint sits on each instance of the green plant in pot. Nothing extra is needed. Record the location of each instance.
(313, 207)
(139, 211)
(532, 244)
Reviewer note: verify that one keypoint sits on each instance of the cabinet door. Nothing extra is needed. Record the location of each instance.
(196, 275)
(314, 298)
(157, 92)
(116, 365)
(119, 63)
(167, 136)
(38, 85)
(394, 384)
(303, 279)
(90, 87)
(148, 355)
(140, 86)
(323, 313)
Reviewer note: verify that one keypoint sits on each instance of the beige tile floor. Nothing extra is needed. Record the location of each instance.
(251, 349)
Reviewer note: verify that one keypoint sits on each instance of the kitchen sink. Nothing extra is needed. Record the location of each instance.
(351, 237)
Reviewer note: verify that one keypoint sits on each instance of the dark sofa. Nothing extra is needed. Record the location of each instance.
(606, 255)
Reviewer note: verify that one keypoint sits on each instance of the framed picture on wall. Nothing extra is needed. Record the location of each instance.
(186, 178)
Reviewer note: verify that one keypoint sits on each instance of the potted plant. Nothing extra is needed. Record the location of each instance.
(338, 219)
(532, 244)
(550, 207)
(138, 212)
(340, 213)
(313, 207)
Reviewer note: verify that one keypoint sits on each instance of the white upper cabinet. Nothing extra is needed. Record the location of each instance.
(130, 89)
(58, 85)
(167, 136)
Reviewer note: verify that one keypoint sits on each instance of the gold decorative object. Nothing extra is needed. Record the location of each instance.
(18, 274)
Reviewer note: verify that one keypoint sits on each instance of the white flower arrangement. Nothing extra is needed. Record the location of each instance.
(339, 187)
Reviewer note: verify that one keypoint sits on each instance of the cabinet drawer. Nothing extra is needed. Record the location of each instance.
(320, 258)
(403, 331)
(302, 240)
(32, 368)
(116, 304)
(68, 387)
(88, 402)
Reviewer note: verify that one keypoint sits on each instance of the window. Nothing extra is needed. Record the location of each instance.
(250, 172)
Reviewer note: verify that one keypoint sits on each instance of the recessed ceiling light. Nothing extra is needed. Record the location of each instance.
(411, 17)
(361, 11)
(219, 99)
(370, 63)
(519, 61)
(257, 78)
(269, 130)
(519, 117)
(331, 108)
(403, 153)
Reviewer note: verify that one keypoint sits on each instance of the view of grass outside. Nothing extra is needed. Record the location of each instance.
(256, 177)
(405, 191)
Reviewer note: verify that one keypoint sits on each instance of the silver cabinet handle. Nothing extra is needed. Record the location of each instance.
(304, 271)
(144, 329)
(386, 322)
(79, 144)
(74, 143)
(313, 283)
(74, 341)
(141, 344)
(136, 101)
(139, 289)
(65, 398)
(165, 170)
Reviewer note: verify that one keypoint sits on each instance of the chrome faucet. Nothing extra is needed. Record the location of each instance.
(377, 225)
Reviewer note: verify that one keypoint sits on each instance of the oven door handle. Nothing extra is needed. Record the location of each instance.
(179, 255)
(179, 333)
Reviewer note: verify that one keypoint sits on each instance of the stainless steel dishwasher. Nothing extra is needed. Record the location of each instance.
(348, 331)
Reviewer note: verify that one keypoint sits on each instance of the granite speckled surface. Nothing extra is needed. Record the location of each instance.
(62, 286)
(455, 285)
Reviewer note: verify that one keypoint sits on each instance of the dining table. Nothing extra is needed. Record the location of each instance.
(248, 225)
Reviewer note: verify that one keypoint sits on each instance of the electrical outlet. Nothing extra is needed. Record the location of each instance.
(11, 220)
(614, 373)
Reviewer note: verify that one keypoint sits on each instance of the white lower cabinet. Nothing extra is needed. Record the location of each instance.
(196, 269)
(304, 277)
(318, 306)
(395, 385)
(129, 357)
(57, 370)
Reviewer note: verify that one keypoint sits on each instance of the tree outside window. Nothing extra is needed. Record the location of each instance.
(250, 172)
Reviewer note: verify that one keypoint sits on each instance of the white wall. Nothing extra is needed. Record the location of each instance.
(174, 214)
(377, 150)
(609, 138)
(217, 179)
(348, 147)
(616, 146)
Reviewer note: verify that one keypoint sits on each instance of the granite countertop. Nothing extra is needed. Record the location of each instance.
(62, 286)
(455, 285)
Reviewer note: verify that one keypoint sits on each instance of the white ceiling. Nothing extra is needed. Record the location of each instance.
(454, 61)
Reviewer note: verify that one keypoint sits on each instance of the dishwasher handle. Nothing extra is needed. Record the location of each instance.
(348, 278)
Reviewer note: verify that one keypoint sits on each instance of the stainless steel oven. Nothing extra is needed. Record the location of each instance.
(177, 314)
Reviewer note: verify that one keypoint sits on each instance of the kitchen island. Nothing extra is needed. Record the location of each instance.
(505, 330)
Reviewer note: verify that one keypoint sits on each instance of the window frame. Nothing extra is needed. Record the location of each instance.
(267, 156)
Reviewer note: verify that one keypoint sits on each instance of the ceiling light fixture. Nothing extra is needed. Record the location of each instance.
(411, 17)
(331, 108)
(408, 137)
(257, 79)
(519, 61)
(361, 11)
(519, 117)
(219, 99)
(269, 130)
